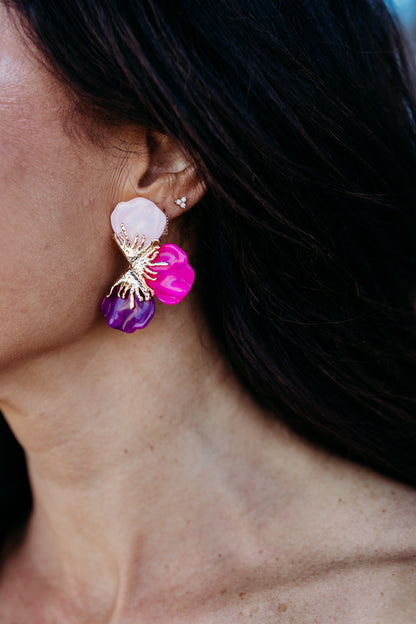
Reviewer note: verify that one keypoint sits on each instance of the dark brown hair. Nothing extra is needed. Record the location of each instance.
(300, 118)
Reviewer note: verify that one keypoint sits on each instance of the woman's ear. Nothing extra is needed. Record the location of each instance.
(169, 177)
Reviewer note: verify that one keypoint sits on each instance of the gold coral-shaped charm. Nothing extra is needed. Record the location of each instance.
(141, 260)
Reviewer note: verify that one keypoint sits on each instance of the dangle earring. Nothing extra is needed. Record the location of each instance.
(154, 269)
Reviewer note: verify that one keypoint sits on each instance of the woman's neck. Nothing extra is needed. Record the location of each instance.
(143, 451)
(154, 474)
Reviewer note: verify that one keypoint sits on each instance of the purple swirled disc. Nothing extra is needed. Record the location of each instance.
(119, 316)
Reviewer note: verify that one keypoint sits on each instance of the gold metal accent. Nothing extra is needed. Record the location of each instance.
(140, 259)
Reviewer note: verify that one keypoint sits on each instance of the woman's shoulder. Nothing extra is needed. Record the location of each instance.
(352, 561)
(358, 588)
(360, 591)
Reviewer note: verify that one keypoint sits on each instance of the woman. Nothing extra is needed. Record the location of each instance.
(250, 454)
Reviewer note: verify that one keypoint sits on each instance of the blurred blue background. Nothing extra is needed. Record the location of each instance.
(406, 9)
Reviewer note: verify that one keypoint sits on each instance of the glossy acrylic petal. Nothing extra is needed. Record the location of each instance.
(119, 316)
(140, 216)
(173, 282)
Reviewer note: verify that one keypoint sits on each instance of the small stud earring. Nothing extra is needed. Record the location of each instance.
(181, 202)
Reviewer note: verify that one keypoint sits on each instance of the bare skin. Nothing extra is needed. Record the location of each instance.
(163, 493)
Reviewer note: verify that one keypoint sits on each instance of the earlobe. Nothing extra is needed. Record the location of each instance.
(158, 170)
(175, 193)
(170, 179)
